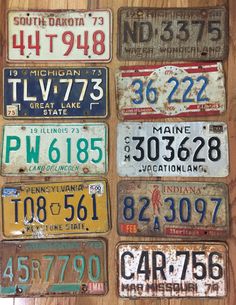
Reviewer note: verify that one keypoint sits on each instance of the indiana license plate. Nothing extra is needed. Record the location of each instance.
(55, 93)
(55, 267)
(64, 35)
(173, 209)
(148, 92)
(195, 149)
(55, 149)
(65, 209)
(172, 33)
(151, 269)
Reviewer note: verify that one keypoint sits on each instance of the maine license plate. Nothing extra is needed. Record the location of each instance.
(55, 93)
(63, 35)
(148, 92)
(151, 269)
(172, 209)
(55, 267)
(55, 149)
(194, 149)
(172, 33)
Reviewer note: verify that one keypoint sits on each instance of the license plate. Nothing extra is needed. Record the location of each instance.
(151, 269)
(172, 209)
(55, 92)
(172, 34)
(159, 91)
(43, 210)
(55, 267)
(55, 149)
(194, 149)
(65, 35)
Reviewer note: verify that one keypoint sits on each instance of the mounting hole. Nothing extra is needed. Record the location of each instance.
(90, 15)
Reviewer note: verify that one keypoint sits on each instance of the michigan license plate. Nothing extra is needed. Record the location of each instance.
(148, 92)
(172, 33)
(172, 209)
(55, 149)
(55, 267)
(64, 35)
(55, 92)
(150, 269)
(43, 210)
(195, 149)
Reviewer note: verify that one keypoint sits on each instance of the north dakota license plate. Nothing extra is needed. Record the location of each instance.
(55, 93)
(172, 209)
(148, 92)
(151, 269)
(55, 149)
(172, 149)
(172, 33)
(63, 35)
(43, 210)
(55, 267)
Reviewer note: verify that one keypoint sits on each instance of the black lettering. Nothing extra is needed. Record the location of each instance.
(123, 274)
(160, 268)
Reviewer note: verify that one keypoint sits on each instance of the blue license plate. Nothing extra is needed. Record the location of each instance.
(55, 92)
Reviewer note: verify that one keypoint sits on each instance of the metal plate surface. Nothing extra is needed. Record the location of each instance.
(55, 93)
(159, 91)
(172, 270)
(191, 149)
(55, 149)
(53, 268)
(59, 35)
(172, 33)
(44, 210)
(173, 209)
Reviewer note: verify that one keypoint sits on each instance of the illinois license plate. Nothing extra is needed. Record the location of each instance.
(43, 210)
(55, 149)
(55, 267)
(64, 35)
(172, 209)
(172, 149)
(172, 34)
(148, 92)
(55, 92)
(151, 269)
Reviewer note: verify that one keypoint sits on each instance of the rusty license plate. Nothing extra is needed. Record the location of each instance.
(172, 33)
(55, 267)
(148, 92)
(151, 269)
(173, 209)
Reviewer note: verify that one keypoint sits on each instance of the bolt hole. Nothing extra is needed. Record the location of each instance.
(90, 15)
(204, 53)
(21, 170)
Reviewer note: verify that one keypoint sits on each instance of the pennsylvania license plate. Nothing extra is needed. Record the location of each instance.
(55, 149)
(172, 209)
(64, 35)
(43, 210)
(151, 269)
(172, 33)
(55, 93)
(53, 268)
(159, 91)
(191, 149)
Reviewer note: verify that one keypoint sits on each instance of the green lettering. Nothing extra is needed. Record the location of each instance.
(22, 267)
(51, 259)
(31, 152)
(36, 268)
(94, 259)
(66, 259)
(81, 267)
(8, 272)
(10, 147)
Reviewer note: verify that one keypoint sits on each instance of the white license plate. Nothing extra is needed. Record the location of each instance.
(59, 35)
(55, 149)
(188, 149)
(153, 269)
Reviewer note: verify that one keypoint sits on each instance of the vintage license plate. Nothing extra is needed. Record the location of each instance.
(54, 267)
(64, 35)
(172, 209)
(43, 210)
(172, 34)
(159, 91)
(55, 92)
(55, 149)
(151, 269)
(194, 149)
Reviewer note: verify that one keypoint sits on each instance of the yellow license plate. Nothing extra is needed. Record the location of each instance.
(44, 210)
